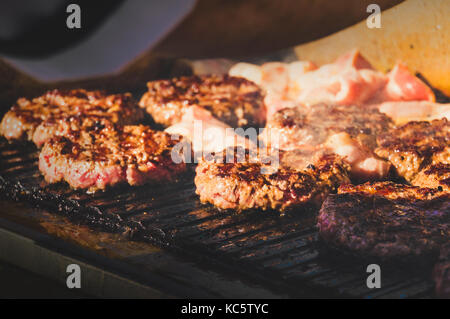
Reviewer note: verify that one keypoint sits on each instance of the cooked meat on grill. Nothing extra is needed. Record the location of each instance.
(402, 85)
(348, 131)
(365, 165)
(246, 182)
(434, 176)
(45, 116)
(235, 101)
(301, 126)
(104, 157)
(413, 147)
(68, 126)
(386, 220)
(349, 80)
(391, 190)
(206, 133)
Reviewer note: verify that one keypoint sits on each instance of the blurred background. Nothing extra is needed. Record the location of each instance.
(123, 44)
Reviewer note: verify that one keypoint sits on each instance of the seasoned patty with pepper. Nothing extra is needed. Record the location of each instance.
(235, 101)
(45, 116)
(420, 152)
(101, 157)
(386, 220)
(311, 126)
(247, 182)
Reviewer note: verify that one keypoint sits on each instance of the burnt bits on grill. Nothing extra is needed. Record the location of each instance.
(46, 116)
(247, 182)
(420, 152)
(234, 101)
(93, 160)
(386, 220)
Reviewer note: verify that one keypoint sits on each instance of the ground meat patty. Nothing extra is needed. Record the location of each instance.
(386, 220)
(435, 176)
(99, 158)
(41, 118)
(312, 126)
(241, 184)
(69, 126)
(420, 152)
(234, 101)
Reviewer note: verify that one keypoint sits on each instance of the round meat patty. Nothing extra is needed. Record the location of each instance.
(234, 101)
(386, 220)
(246, 182)
(420, 152)
(435, 176)
(41, 118)
(301, 126)
(103, 157)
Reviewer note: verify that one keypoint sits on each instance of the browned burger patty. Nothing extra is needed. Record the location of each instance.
(235, 101)
(386, 220)
(98, 158)
(420, 152)
(392, 190)
(312, 126)
(241, 184)
(434, 176)
(45, 116)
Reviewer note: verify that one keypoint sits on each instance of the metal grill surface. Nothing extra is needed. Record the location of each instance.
(282, 253)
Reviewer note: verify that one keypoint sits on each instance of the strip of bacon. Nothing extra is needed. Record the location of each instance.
(279, 80)
(349, 80)
(364, 164)
(406, 111)
(206, 133)
(353, 59)
(402, 85)
(333, 85)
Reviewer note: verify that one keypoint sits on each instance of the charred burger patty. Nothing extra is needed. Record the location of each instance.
(420, 152)
(43, 117)
(386, 220)
(234, 101)
(95, 159)
(242, 184)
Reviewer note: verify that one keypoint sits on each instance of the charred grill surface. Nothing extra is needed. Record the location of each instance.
(234, 101)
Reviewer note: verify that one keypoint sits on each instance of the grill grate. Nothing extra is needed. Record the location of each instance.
(282, 253)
